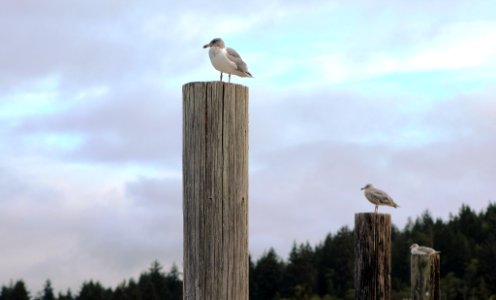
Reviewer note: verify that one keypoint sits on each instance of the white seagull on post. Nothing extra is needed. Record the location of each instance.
(422, 250)
(378, 197)
(226, 60)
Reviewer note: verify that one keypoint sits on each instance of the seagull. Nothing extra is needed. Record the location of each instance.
(226, 60)
(422, 250)
(378, 197)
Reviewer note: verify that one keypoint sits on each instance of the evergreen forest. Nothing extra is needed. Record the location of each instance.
(467, 242)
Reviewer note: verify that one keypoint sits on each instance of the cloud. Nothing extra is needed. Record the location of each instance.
(136, 124)
(77, 229)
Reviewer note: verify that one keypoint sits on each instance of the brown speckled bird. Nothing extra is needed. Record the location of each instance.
(378, 197)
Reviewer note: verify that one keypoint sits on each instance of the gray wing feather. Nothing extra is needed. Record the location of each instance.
(427, 250)
(382, 197)
(233, 53)
(233, 56)
(380, 194)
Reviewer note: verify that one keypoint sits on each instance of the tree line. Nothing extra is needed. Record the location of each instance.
(467, 242)
(153, 284)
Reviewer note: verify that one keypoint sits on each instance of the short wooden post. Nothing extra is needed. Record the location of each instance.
(372, 256)
(425, 276)
(215, 191)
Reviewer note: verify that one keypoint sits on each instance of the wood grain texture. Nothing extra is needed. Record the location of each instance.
(215, 191)
(372, 256)
(425, 276)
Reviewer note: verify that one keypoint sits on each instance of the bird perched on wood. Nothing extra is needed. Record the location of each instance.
(226, 60)
(378, 197)
(422, 250)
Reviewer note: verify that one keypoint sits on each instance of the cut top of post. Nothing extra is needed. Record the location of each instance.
(213, 83)
(371, 213)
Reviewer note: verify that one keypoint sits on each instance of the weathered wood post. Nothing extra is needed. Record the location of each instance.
(215, 191)
(372, 256)
(425, 276)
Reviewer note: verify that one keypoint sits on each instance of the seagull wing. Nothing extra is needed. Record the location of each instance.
(233, 56)
(426, 250)
(382, 197)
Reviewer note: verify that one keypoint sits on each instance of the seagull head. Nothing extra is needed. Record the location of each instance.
(413, 246)
(366, 186)
(217, 42)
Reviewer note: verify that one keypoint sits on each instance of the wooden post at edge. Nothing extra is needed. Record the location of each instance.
(425, 276)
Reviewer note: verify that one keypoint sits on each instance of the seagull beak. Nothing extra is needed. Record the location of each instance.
(206, 46)
(362, 189)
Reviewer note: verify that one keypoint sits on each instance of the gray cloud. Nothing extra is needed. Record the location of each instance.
(137, 124)
(110, 238)
(103, 43)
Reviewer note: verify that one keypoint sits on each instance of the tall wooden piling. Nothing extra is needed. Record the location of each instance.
(425, 276)
(215, 191)
(372, 256)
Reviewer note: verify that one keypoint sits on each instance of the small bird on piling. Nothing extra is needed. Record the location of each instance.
(422, 250)
(226, 60)
(378, 197)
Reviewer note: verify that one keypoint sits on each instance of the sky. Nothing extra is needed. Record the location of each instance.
(394, 93)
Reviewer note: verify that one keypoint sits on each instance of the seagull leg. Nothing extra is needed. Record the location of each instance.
(229, 77)
(220, 76)
(376, 208)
